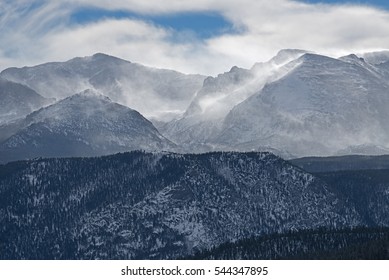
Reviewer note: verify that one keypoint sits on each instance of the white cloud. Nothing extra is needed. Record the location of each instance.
(31, 36)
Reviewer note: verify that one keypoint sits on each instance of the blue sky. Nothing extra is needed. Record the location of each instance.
(201, 24)
(202, 36)
(378, 3)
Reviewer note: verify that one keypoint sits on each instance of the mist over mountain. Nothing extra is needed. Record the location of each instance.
(73, 202)
(376, 58)
(17, 100)
(85, 124)
(204, 117)
(156, 93)
(297, 104)
(321, 107)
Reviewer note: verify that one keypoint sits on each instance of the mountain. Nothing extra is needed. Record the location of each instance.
(376, 58)
(298, 104)
(157, 205)
(155, 93)
(85, 124)
(204, 117)
(17, 101)
(323, 106)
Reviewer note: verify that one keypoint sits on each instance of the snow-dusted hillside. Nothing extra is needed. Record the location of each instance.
(17, 101)
(85, 124)
(161, 205)
(155, 93)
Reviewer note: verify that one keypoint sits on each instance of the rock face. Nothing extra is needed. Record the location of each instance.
(85, 124)
(157, 205)
(17, 101)
(155, 93)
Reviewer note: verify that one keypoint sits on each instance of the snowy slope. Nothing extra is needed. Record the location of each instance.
(17, 101)
(203, 118)
(321, 107)
(380, 60)
(85, 124)
(297, 104)
(155, 93)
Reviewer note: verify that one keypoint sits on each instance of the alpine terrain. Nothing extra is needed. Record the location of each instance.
(102, 158)
(85, 124)
(312, 105)
(17, 100)
(297, 104)
(156, 93)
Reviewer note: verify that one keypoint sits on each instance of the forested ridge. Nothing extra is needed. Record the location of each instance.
(143, 205)
(318, 244)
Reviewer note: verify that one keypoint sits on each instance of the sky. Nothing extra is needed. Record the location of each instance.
(203, 36)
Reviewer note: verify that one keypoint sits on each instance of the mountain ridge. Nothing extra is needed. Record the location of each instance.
(167, 92)
(84, 124)
(297, 104)
(17, 100)
(157, 205)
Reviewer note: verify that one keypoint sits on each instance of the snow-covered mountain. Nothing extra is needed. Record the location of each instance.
(155, 93)
(17, 101)
(376, 58)
(204, 117)
(159, 205)
(297, 104)
(321, 107)
(85, 124)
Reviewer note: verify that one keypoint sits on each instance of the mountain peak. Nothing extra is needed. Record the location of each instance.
(98, 58)
(84, 124)
(286, 55)
(97, 55)
(160, 94)
(316, 58)
(234, 69)
(103, 56)
(353, 58)
(93, 93)
(88, 95)
(291, 52)
(17, 101)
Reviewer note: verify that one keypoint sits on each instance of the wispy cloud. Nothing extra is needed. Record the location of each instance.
(37, 31)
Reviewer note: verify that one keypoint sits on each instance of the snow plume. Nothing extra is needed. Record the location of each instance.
(40, 30)
(221, 94)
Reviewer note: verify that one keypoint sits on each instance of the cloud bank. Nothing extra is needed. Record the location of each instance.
(37, 31)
